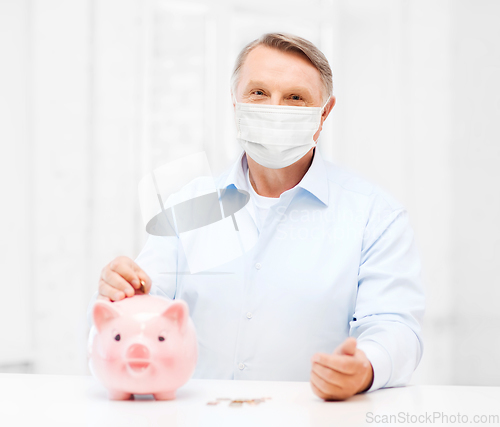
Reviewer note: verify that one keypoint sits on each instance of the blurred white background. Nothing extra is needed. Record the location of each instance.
(95, 93)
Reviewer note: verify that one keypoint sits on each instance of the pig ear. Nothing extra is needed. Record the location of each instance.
(178, 313)
(103, 313)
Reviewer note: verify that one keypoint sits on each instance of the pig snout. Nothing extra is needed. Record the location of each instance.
(138, 357)
(137, 351)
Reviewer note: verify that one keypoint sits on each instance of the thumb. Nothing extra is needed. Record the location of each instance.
(348, 347)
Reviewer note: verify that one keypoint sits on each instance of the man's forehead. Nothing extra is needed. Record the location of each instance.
(264, 62)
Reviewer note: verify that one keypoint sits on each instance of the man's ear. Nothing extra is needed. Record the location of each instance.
(328, 108)
(233, 99)
(326, 112)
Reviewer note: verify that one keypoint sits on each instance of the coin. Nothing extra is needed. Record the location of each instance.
(239, 401)
(143, 287)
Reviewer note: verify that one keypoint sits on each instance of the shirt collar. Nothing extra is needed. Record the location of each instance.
(237, 173)
(315, 181)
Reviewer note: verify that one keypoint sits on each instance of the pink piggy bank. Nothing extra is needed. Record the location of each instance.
(143, 345)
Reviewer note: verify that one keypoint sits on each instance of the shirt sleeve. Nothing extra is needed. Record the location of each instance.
(158, 259)
(390, 302)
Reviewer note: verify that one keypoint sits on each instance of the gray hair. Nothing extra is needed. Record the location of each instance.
(288, 43)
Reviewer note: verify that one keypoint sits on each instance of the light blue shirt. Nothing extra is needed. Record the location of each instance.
(335, 257)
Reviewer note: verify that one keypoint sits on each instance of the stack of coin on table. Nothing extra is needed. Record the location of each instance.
(238, 402)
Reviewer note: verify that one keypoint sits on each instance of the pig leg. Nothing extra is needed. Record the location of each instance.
(119, 395)
(165, 395)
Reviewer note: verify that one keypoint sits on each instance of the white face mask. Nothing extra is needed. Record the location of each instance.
(275, 136)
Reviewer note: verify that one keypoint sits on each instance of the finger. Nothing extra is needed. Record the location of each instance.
(330, 391)
(348, 347)
(117, 281)
(317, 391)
(110, 292)
(144, 279)
(340, 363)
(339, 385)
(329, 375)
(126, 268)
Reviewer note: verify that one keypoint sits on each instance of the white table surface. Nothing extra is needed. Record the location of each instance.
(66, 400)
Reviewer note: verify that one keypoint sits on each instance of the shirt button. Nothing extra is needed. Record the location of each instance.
(249, 315)
(258, 266)
(241, 366)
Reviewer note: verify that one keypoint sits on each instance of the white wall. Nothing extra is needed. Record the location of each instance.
(475, 160)
(96, 93)
(61, 171)
(16, 313)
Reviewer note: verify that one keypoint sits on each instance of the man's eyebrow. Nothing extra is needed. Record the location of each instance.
(256, 83)
(294, 89)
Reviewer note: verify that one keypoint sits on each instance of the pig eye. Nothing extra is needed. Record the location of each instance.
(160, 338)
(117, 337)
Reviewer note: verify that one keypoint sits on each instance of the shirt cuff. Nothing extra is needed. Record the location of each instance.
(381, 363)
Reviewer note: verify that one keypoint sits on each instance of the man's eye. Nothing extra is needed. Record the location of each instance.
(296, 97)
(258, 92)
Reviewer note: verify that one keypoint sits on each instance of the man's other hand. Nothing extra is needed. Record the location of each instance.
(342, 374)
(122, 278)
